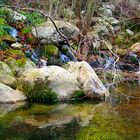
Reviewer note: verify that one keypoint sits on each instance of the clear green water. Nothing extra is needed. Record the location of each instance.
(90, 120)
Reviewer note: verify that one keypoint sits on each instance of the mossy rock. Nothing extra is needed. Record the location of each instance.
(5, 69)
(17, 66)
(121, 52)
(8, 80)
(54, 61)
(38, 91)
(51, 50)
(14, 64)
(78, 95)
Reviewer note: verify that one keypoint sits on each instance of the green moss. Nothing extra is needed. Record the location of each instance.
(4, 12)
(126, 41)
(39, 91)
(133, 59)
(78, 95)
(50, 50)
(121, 52)
(64, 50)
(34, 17)
(26, 30)
(4, 27)
(18, 53)
(75, 46)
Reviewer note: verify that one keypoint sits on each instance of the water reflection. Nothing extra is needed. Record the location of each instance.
(82, 121)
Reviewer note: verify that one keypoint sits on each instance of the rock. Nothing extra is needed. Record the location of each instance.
(15, 15)
(54, 61)
(48, 34)
(129, 32)
(68, 52)
(102, 30)
(5, 108)
(87, 78)
(6, 75)
(18, 17)
(112, 21)
(104, 11)
(135, 47)
(8, 80)
(61, 81)
(9, 95)
(50, 50)
(5, 69)
(13, 32)
(16, 45)
(20, 65)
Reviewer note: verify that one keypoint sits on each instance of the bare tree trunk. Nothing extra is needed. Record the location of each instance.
(89, 14)
(78, 8)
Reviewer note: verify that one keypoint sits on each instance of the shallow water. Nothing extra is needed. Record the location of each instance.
(90, 120)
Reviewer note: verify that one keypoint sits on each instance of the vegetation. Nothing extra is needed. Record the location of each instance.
(78, 96)
(39, 91)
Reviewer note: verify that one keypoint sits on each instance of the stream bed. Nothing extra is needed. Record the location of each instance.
(118, 119)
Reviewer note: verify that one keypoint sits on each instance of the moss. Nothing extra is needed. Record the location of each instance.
(39, 91)
(75, 46)
(18, 53)
(34, 17)
(4, 12)
(26, 30)
(133, 59)
(4, 27)
(125, 41)
(14, 64)
(64, 50)
(50, 50)
(78, 95)
(121, 52)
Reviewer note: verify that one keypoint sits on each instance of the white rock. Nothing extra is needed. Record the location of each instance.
(18, 17)
(62, 82)
(129, 32)
(9, 95)
(48, 34)
(86, 76)
(16, 45)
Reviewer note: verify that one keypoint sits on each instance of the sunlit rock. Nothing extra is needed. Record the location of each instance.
(9, 95)
(61, 81)
(87, 78)
(48, 34)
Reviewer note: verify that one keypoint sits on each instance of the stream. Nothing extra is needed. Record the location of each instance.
(118, 119)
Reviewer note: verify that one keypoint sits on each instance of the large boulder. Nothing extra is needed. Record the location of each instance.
(48, 34)
(20, 65)
(87, 78)
(61, 81)
(6, 75)
(5, 69)
(8, 80)
(9, 95)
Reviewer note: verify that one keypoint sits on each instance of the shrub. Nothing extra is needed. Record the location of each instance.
(78, 95)
(39, 91)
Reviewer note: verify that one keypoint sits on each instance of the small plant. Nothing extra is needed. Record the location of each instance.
(26, 30)
(78, 96)
(34, 17)
(39, 91)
